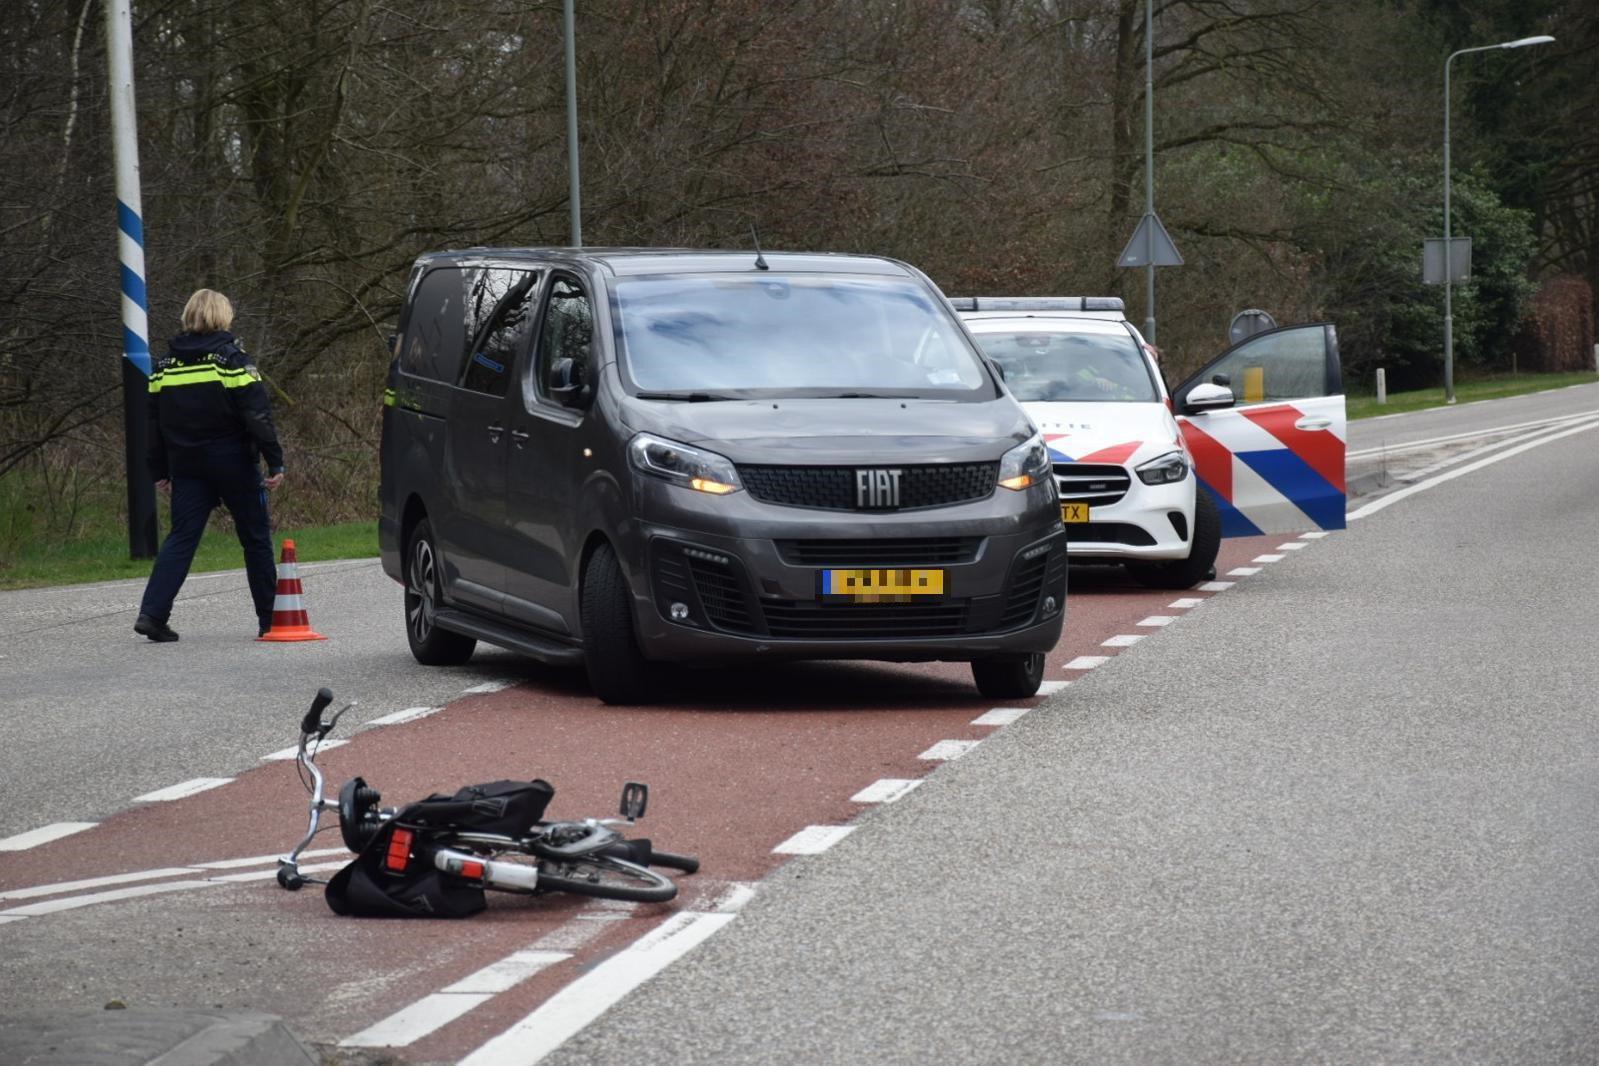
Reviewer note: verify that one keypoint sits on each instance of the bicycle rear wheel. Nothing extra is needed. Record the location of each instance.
(606, 878)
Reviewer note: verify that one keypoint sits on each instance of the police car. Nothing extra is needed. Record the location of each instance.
(1153, 477)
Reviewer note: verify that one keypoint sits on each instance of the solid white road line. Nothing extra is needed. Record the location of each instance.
(51, 906)
(1243, 571)
(1049, 688)
(257, 860)
(884, 790)
(1187, 603)
(508, 972)
(182, 789)
(411, 1023)
(1267, 559)
(813, 839)
(288, 753)
(93, 882)
(1422, 486)
(1216, 586)
(572, 1008)
(43, 835)
(1087, 662)
(268, 875)
(410, 714)
(1000, 716)
(1420, 445)
(945, 750)
(1122, 640)
(732, 901)
(1156, 620)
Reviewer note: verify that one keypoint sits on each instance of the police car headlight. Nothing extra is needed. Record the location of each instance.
(692, 468)
(1025, 465)
(1164, 469)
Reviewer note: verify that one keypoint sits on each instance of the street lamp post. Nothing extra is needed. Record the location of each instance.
(1449, 258)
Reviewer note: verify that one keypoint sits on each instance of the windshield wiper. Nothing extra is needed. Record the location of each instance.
(690, 397)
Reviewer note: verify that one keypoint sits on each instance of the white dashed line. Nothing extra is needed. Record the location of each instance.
(289, 753)
(257, 860)
(945, 750)
(92, 882)
(813, 840)
(410, 714)
(1315, 534)
(1000, 716)
(1243, 571)
(1267, 559)
(411, 1023)
(487, 686)
(182, 789)
(1187, 603)
(1216, 586)
(1123, 640)
(43, 835)
(1292, 546)
(268, 875)
(1049, 688)
(33, 910)
(885, 790)
(1087, 662)
(1155, 621)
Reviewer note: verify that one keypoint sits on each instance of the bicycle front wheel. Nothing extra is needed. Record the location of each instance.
(606, 878)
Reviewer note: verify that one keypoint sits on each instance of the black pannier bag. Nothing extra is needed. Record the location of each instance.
(370, 888)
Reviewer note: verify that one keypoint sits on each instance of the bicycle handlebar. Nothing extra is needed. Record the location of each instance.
(312, 722)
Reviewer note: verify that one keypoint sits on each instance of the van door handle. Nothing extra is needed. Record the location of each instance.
(519, 436)
(494, 433)
(1310, 422)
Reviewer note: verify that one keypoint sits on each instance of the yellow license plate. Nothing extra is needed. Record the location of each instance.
(1074, 512)
(882, 586)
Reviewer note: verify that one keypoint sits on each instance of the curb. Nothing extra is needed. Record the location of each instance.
(178, 1037)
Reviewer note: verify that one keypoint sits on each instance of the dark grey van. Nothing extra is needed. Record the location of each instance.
(629, 457)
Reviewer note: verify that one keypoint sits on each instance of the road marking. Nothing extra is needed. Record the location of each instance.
(1000, 716)
(1267, 559)
(1419, 445)
(733, 900)
(1155, 621)
(182, 789)
(43, 835)
(1243, 571)
(884, 790)
(410, 714)
(1087, 662)
(571, 1009)
(1421, 486)
(945, 750)
(1315, 534)
(1049, 688)
(51, 906)
(1187, 603)
(268, 875)
(1216, 586)
(1122, 640)
(257, 860)
(1292, 546)
(411, 1023)
(813, 839)
(93, 882)
(487, 686)
(288, 753)
(507, 973)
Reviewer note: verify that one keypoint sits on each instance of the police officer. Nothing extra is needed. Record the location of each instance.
(210, 428)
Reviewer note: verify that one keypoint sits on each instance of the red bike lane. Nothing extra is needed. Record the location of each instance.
(738, 761)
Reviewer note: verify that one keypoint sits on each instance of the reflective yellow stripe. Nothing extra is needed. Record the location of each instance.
(203, 373)
(388, 397)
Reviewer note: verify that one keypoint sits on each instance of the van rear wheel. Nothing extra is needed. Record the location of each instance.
(424, 592)
(1011, 678)
(618, 671)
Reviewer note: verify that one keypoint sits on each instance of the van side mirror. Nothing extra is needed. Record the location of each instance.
(565, 385)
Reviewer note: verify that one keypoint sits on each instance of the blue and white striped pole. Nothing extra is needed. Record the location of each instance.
(135, 308)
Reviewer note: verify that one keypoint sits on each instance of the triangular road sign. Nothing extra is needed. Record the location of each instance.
(1151, 244)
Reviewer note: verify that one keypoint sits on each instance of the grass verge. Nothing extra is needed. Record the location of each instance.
(1359, 406)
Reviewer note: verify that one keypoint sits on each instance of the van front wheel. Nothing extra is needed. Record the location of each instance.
(1012, 678)
(424, 593)
(618, 671)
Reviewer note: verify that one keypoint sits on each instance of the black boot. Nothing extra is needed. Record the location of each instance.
(159, 632)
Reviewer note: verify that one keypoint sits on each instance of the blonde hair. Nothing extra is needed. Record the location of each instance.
(207, 311)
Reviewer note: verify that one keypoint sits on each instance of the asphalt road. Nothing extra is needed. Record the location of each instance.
(1348, 812)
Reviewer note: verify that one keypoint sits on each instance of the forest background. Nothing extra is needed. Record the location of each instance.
(298, 154)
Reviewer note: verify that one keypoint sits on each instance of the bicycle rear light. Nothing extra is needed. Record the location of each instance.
(399, 854)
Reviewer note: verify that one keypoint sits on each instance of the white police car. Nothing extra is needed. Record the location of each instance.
(1261, 427)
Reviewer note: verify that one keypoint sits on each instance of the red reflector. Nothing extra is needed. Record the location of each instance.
(474, 870)
(399, 855)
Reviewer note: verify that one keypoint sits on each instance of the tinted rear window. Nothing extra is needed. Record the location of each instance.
(435, 333)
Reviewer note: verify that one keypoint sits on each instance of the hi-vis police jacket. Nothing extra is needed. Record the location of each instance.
(206, 399)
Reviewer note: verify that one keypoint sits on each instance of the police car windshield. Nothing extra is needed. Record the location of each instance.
(1086, 367)
(794, 335)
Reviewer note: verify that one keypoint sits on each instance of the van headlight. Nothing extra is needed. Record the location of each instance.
(692, 468)
(1164, 469)
(1025, 465)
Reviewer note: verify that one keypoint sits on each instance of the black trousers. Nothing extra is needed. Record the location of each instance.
(234, 480)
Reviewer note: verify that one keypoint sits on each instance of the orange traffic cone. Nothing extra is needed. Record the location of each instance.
(288, 609)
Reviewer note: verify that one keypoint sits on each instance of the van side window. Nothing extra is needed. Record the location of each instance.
(435, 333)
(501, 312)
(566, 342)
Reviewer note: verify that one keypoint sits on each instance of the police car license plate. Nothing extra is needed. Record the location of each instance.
(881, 586)
(1074, 512)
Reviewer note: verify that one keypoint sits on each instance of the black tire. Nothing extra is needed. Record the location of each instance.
(1010, 678)
(618, 671)
(686, 863)
(607, 878)
(424, 592)
(1201, 561)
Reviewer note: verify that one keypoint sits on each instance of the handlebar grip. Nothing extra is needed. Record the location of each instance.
(313, 718)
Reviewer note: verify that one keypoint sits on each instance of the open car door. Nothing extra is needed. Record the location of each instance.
(1269, 442)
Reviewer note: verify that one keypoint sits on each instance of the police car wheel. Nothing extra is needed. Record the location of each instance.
(618, 671)
(1011, 678)
(1201, 561)
(424, 593)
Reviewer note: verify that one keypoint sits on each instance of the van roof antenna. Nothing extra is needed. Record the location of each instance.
(760, 260)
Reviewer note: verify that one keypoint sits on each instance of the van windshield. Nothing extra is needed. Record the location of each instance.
(793, 335)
